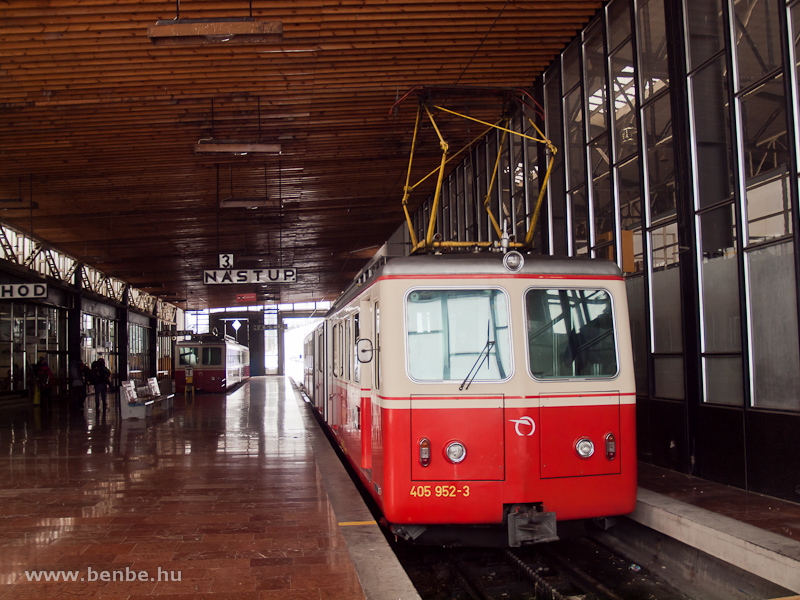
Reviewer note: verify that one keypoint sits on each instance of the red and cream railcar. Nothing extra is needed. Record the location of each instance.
(217, 363)
(482, 398)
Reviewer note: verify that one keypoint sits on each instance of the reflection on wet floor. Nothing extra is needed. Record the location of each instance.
(222, 493)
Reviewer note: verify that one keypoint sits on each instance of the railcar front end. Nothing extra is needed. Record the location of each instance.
(216, 364)
(482, 403)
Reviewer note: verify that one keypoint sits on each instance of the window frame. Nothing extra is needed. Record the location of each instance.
(615, 330)
(440, 288)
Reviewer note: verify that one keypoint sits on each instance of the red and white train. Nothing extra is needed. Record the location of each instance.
(482, 398)
(217, 363)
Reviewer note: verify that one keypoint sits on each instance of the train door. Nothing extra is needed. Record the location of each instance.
(215, 368)
(334, 417)
(320, 362)
(364, 355)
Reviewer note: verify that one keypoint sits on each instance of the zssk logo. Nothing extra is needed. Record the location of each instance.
(522, 424)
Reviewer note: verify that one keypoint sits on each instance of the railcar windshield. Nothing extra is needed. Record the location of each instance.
(455, 334)
(212, 356)
(188, 355)
(570, 333)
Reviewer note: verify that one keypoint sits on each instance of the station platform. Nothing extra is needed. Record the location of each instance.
(234, 497)
(757, 534)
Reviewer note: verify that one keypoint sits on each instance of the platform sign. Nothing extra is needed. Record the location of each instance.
(23, 290)
(246, 297)
(275, 275)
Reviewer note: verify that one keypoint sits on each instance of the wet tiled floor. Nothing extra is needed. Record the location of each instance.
(765, 512)
(220, 498)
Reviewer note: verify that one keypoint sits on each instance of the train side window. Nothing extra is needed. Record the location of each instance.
(377, 359)
(353, 351)
(347, 344)
(188, 355)
(455, 334)
(212, 356)
(341, 349)
(320, 352)
(338, 365)
(335, 365)
(570, 333)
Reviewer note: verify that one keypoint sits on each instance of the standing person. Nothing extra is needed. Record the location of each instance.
(44, 379)
(77, 383)
(101, 377)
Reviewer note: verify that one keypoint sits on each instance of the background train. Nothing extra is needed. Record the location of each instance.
(482, 398)
(217, 363)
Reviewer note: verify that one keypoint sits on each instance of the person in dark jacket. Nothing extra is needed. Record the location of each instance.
(100, 377)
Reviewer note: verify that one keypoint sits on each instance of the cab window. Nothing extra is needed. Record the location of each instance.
(188, 356)
(455, 334)
(212, 356)
(570, 333)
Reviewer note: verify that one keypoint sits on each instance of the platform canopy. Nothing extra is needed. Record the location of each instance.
(146, 138)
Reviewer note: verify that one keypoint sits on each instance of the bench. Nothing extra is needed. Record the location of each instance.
(138, 402)
(131, 406)
(158, 395)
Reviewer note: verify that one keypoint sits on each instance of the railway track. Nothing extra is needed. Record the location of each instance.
(579, 569)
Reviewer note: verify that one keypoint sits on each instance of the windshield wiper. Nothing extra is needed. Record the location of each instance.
(487, 348)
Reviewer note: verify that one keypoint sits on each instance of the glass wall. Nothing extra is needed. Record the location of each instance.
(99, 340)
(743, 208)
(624, 194)
(29, 332)
(138, 352)
(164, 349)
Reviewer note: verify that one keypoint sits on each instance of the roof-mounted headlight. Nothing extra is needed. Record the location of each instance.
(513, 261)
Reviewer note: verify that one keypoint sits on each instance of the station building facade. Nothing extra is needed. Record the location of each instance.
(676, 124)
(56, 308)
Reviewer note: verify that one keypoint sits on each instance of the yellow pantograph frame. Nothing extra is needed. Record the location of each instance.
(428, 243)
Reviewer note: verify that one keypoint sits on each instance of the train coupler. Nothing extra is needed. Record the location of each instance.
(527, 525)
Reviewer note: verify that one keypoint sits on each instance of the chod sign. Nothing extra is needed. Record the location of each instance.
(23, 290)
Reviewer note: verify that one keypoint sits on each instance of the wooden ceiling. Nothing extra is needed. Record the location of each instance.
(99, 123)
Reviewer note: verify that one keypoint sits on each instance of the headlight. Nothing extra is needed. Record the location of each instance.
(513, 261)
(455, 452)
(584, 447)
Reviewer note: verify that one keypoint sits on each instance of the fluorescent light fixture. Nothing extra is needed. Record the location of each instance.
(236, 147)
(288, 50)
(252, 257)
(17, 204)
(193, 32)
(250, 203)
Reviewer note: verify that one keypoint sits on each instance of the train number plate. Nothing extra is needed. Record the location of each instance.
(440, 491)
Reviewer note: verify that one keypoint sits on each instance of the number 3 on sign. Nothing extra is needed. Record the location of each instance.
(226, 261)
